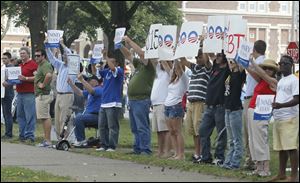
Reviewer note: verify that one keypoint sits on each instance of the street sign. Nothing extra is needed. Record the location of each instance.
(293, 51)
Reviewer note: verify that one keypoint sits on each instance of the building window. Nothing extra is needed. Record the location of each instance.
(252, 6)
(284, 7)
(261, 6)
(242, 5)
(252, 36)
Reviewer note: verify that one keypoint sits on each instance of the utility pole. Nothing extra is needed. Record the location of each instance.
(52, 15)
(293, 21)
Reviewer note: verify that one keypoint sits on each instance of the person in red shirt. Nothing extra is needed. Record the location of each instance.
(26, 112)
(264, 74)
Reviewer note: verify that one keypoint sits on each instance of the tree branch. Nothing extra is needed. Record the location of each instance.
(133, 9)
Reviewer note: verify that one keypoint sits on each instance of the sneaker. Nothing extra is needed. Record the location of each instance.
(44, 144)
(100, 149)
(228, 167)
(195, 158)
(110, 150)
(202, 161)
(80, 143)
(218, 162)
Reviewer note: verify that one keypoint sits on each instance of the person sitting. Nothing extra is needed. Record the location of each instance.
(93, 92)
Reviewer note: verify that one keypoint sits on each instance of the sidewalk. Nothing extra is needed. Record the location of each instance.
(89, 168)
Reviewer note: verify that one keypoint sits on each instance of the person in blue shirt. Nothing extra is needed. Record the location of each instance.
(92, 93)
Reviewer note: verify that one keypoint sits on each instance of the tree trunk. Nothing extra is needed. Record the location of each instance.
(36, 25)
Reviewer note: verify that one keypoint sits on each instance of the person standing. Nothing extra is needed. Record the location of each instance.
(286, 124)
(26, 110)
(6, 102)
(43, 98)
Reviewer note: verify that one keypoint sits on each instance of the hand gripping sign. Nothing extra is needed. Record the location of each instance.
(167, 42)
(73, 64)
(53, 38)
(119, 34)
(244, 52)
(97, 54)
(152, 41)
(12, 75)
(188, 42)
(263, 109)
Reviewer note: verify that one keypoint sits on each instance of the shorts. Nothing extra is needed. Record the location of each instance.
(174, 111)
(285, 134)
(159, 123)
(42, 103)
(193, 117)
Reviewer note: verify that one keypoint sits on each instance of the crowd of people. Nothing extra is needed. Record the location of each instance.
(213, 101)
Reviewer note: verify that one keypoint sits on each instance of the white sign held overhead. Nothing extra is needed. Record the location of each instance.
(188, 41)
(74, 64)
(167, 42)
(215, 34)
(244, 52)
(152, 46)
(97, 53)
(54, 37)
(119, 34)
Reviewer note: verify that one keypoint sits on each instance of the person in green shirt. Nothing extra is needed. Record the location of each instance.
(43, 98)
(139, 92)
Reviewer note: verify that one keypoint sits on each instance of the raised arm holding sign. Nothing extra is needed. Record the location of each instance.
(120, 32)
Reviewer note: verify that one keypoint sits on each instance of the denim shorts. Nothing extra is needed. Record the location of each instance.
(174, 111)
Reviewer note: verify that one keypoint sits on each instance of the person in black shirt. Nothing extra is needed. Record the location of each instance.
(233, 115)
(215, 112)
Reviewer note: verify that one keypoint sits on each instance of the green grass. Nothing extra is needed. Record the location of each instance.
(17, 174)
(125, 145)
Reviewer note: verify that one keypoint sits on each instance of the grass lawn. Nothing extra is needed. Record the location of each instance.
(17, 174)
(125, 145)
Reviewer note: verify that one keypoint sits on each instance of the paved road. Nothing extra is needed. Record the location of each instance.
(90, 168)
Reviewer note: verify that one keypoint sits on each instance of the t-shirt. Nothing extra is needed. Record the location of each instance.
(27, 70)
(44, 68)
(112, 87)
(287, 88)
(250, 81)
(140, 84)
(198, 83)
(216, 85)
(233, 90)
(159, 90)
(177, 90)
(93, 101)
(262, 88)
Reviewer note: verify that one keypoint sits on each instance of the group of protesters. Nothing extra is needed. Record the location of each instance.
(213, 94)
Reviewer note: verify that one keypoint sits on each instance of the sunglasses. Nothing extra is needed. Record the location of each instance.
(284, 63)
(37, 55)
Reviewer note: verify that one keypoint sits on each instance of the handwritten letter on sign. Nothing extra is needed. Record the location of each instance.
(54, 37)
(188, 42)
(152, 41)
(167, 42)
(263, 109)
(13, 72)
(244, 52)
(215, 34)
(119, 34)
(74, 64)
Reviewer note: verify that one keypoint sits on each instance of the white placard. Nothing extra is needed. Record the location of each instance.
(188, 41)
(167, 42)
(215, 34)
(152, 46)
(235, 32)
(2, 80)
(13, 72)
(97, 53)
(244, 52)
(74, 64)
(54, 37)
(119, 34)
(263, 107)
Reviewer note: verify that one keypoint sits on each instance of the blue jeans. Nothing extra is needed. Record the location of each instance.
(6, 107)
(213, 117)
(174, 111)
(26, 115)
(234, 125)
(83, 120)
(140, 125)
(109, 127)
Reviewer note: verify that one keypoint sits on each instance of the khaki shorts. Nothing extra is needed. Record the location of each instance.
(159, 123)
(194, 117)
(42, 103)
(286, 134)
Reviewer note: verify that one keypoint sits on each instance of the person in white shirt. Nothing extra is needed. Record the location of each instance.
(173, 107)
(286, 124)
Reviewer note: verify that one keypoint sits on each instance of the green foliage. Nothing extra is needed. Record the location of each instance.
(17, 174)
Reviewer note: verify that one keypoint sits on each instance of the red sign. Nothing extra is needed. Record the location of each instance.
(293, 51)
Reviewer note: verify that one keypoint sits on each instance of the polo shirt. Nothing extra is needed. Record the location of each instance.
(27, 70)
